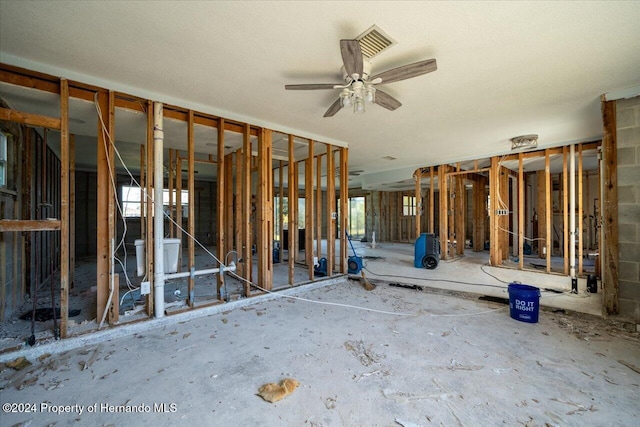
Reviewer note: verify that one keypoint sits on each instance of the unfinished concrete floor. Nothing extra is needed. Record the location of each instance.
(430, 358)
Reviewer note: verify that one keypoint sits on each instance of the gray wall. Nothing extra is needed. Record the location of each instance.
(628, 140)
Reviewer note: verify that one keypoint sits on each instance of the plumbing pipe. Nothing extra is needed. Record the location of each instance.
(572, 212)
(158, 220)
(230, 267)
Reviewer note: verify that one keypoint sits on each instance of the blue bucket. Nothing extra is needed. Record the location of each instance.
(524, 302)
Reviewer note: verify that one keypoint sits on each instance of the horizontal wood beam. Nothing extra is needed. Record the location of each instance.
(29, 119)
(469, 171)
(29, 225)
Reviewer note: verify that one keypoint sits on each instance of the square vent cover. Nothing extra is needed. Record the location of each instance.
(374, 40)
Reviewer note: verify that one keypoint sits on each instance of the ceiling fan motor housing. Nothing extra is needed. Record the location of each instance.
(366, 72)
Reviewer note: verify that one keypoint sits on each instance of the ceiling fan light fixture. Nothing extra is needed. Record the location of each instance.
(345, 96)
(370, 94)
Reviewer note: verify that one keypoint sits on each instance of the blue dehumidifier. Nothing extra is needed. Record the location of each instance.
(427, 251)
(354, 263)
(321, 268)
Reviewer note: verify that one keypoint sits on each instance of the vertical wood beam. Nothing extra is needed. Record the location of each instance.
(309, 209)
(281, 207)
(432, 190)
(331, 203)
(172, 226)
(105, 210)
(319, 206)
(542, 217)
(228, 199)
(459, 215)
(291, 202)
(192, 201)
(220, 222)
(493, 221)
(444, 208)
(238, 206)
(520, 211)
(580, 209)
(548, 208)
(344, 207)
(64, 207)
(148, 238)
(265, 210)
(114, 309)
(610, 209)
(72, 210)
(565, 211)
(417, 176)
(178, 202)
(246, 208)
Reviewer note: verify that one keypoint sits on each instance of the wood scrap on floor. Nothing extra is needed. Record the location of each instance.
(273, 392)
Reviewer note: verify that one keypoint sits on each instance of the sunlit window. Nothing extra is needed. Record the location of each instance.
(132, 196)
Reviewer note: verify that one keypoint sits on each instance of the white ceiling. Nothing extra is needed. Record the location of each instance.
(504, 68)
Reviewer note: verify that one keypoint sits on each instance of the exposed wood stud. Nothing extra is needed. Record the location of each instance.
(220, 220)
(443, 216)
(319, 207)
(149, 238)
(265, 211)
(548, 209)
(610, 262)
(520, 212)
(192, 199)
(565, 211)
(580, 210)
(344, 207)
(417, 176)
(64, 207)
(246, 208)
(493, 222)
(331, 205)
(432, 186)
(292, 201)
(309, 209)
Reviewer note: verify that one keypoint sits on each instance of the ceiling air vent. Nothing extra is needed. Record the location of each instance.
(373, 41)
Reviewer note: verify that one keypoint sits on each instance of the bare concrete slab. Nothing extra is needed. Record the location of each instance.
(379, 358)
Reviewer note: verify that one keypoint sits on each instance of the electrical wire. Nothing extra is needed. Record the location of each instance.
(435, 280)
(232, 273)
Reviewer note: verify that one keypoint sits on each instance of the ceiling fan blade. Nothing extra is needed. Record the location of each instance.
(407, 71)
(312, 86)
(335, 107)
(387, 101)
(351, 57)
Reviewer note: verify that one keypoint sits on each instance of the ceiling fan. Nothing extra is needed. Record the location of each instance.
(358, 86)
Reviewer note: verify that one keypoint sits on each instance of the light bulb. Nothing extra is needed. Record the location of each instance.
(369, 95)
(359, 106)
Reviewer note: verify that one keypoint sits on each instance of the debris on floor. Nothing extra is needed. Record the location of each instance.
(45, 313)
(18, 364)
(273, 392)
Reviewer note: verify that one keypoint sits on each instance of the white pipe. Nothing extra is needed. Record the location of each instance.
(230, 267)
(572, 211)
(158, 220)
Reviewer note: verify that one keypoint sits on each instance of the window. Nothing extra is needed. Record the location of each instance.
(357, 217)
(132, 196)
(3, 160)
(408, 205)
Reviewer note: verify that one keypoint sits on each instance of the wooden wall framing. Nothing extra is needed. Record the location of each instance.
(234, 191)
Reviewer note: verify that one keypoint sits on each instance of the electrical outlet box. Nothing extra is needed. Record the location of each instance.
(145, 288)
(502, 212)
